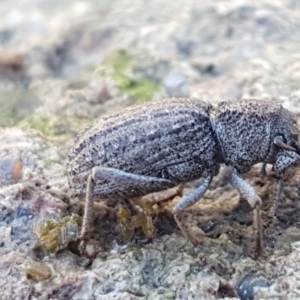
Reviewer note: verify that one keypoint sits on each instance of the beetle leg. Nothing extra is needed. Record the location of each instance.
(126, 182)
(278, 141)
(275, 202)
(157, 198)
(186, 202)
(263, 172)
(248, 193)
(88, 212)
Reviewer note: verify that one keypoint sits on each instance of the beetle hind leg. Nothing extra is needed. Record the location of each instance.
(87, 216)
(127, 185)
(276, 199)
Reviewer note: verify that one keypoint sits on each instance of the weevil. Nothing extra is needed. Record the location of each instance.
(161, 144)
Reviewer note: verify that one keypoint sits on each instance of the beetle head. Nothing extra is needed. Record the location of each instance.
(286, 128)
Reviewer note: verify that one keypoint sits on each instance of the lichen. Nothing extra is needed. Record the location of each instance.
(145, 211)
(143, 219)
(55, 235)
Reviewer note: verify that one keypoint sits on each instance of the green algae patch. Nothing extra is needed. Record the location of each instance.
(16, 104)
(141, 89)
(54, 126)
(42, 124)
(125, 69)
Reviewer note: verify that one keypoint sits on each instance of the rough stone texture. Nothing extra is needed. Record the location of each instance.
(63, 64)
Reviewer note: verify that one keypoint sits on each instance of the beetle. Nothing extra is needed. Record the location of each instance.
(161, 144)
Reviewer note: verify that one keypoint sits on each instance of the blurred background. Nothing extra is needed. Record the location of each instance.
(64, 63)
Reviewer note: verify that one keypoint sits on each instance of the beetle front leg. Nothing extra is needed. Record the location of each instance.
(126, 182)
(277, 144)
(186, 202)
(248, 192)
(285, 167)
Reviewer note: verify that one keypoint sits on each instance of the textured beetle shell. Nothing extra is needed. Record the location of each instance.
(169, 138)
(246, 130)
(181, 140)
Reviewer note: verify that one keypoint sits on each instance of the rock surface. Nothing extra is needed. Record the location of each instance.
(65, 63)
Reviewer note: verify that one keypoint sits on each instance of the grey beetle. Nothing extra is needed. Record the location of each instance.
(161, 144)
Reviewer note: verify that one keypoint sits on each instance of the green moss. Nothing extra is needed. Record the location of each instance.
(141, 89)
(51, 125)
(16, 104)
(120, 61)
(122, 65)
(41, 124)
